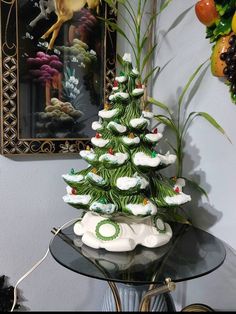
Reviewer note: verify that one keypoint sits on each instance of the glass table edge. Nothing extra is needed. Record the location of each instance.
(148, 282)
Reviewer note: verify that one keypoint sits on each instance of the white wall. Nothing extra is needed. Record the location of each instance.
(31, 187)
(210, 158)
(31, 190)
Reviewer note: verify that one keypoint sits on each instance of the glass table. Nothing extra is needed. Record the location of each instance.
(190, 254)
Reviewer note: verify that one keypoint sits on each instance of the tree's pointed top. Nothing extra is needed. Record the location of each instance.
(127, 58)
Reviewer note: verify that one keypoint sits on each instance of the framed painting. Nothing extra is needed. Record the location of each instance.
(57, 69)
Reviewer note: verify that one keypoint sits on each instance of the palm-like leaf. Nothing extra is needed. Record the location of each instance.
(159, 104)
(186, 87)
(196, 186)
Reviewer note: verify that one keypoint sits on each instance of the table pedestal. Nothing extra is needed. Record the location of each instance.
(131, 298)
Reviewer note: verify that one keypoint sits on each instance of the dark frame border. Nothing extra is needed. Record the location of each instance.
(11, 144)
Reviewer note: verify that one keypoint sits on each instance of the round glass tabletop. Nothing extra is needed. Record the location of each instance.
(191, 253)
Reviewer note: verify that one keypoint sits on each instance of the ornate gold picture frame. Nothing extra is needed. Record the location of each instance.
(57, 68)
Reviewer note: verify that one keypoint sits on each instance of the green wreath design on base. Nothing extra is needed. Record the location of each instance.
(109, 222)
(159, 224)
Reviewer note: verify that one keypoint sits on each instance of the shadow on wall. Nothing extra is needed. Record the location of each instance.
(162, 34)
(200, 212)
(43, 157)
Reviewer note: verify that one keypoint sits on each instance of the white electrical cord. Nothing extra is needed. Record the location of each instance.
(38, 263)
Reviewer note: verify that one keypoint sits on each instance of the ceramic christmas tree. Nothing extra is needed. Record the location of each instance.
(122, 190)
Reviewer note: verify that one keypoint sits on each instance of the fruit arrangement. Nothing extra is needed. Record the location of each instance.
(219, 17)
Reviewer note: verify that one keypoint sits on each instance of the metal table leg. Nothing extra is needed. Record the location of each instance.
(155, 291)
(116, 296)
(145, 300)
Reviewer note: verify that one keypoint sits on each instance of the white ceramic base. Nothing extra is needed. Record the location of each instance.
(122, 233)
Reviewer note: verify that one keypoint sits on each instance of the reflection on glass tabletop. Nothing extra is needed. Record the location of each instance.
(191, 253)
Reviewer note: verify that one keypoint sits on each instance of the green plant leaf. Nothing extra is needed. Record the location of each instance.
(158, 104)
(110, 3)
(120, 59)
(196, 186)
(143, 42)
(116, 28)
(166, 121)
(147, 57)
(164, 5)
(186, 87)
(127, 2)
(223, 27)
(172, 216)
(213, 122)
(154, 16)
(225, 7)
(157, 68)
(180, 219)
(128, 24)
(143, 8)
(187, 123)
(151, 21)
(172, 146)
(130, 10)
(113, 4)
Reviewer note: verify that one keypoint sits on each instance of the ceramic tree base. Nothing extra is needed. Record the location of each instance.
(122, 233)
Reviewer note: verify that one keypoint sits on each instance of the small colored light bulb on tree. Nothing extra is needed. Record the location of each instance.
(94, 170)
(107, 106)
(154, 154)
(177, 189)
(72, 171)
(103, 200)
(139, 85)
(74, 191)
(155, 131)
(110, 151)
(116, 84)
